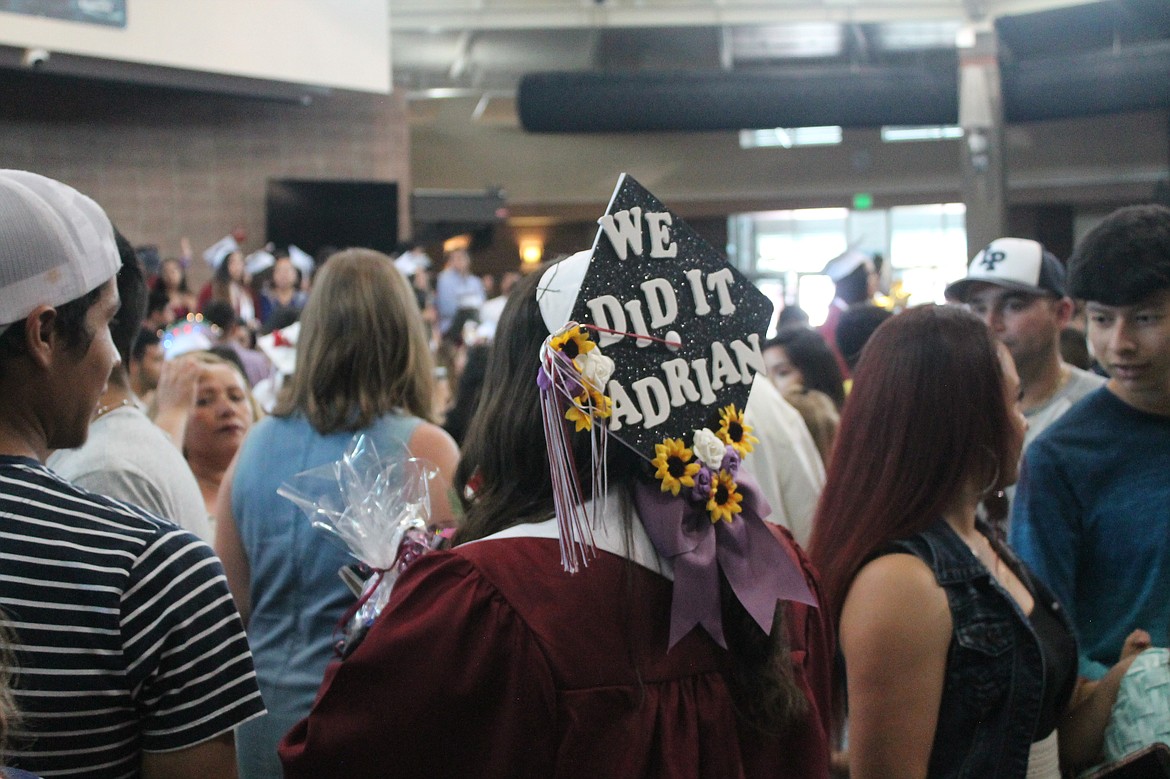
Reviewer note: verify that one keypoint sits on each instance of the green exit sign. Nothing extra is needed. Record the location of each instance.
(862, 201)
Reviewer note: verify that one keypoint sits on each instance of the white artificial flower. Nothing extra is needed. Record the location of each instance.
(596, 368)
(709, 448)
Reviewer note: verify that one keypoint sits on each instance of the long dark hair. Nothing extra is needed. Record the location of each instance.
(221, 278)
(159, 283)
(505, 460)
(504, 456)
(925, 418)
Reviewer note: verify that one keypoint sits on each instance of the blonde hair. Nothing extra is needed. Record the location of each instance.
(211, 358)
(362, 350)
(820, 417)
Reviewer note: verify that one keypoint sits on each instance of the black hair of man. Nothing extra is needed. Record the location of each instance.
(69, 323)
(133, 291)
(143, 341)
(854, 288)
(855, 328)
(790, 316)
(1124, 258)
(156, 300)
(221, 314)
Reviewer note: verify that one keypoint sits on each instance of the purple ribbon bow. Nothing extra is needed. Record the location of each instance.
(757, 567)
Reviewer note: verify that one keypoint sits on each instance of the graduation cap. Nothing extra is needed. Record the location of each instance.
(301, 259)
(655, 339)
(259, 260)
(216, 253)
(847, 262)
(682, 326)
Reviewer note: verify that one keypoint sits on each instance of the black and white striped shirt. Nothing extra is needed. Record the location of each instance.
(127, 639)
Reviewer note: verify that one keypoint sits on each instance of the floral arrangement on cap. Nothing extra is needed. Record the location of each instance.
(708, 466)
(654, 341)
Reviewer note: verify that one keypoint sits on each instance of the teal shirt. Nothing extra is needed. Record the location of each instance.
(1091, 517)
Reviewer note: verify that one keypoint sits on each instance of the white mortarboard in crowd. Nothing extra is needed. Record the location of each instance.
(280, 346)
(845, 263)
(216, 253)
(411, 262)
(301, 259)
(261, 259)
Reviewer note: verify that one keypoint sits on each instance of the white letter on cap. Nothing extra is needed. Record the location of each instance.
(678, 377)
(750, 358)
(661, 301)
(624, 231)
(601, 308)
(699, 368)
(720, 282)
(634, 307)
(722, 368)
(655, 409)
(661, 246)
(623, 407)
(695, 277)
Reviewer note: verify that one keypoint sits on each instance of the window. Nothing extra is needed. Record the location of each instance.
(787, 138)
(785, 251)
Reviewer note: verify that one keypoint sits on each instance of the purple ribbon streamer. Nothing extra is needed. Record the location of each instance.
(758, 569)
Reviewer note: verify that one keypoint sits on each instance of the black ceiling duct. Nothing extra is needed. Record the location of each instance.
(695, 101)
(1134, 78)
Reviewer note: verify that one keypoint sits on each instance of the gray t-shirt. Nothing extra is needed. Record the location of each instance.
(129, 458)
(1079, 384)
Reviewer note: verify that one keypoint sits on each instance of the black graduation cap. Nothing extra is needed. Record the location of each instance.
(687, 327)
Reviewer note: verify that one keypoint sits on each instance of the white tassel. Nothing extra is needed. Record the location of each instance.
(575, 517)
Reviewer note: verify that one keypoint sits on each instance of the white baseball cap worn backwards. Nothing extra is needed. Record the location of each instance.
(56, 245)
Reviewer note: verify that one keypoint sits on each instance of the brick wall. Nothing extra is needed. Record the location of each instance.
(166, 164)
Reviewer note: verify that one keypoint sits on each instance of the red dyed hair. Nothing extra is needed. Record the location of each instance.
(926, 418)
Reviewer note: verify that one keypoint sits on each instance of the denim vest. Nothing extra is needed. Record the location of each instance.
(994, 682)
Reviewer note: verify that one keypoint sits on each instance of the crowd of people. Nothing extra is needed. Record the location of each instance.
(913, 543)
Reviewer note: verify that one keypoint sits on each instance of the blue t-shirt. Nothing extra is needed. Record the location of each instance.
(1091, 517)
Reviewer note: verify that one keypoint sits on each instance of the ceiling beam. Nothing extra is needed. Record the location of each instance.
(448, 15)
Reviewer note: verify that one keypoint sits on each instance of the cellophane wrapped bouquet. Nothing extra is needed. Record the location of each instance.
(376, 501)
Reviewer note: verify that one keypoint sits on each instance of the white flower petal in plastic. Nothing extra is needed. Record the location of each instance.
(709, 449)
(367, 499)
(596, 368)
(378, 505)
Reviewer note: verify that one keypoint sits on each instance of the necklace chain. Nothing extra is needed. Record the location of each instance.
(103, 410)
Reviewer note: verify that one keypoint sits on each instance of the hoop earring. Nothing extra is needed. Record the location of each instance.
(991, 487)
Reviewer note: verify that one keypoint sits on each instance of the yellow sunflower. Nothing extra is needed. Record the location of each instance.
(602, 404)
(734, 432)
(578, 413)
(725, 500)
(674, 465)
(587, 405)
(572, 342)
